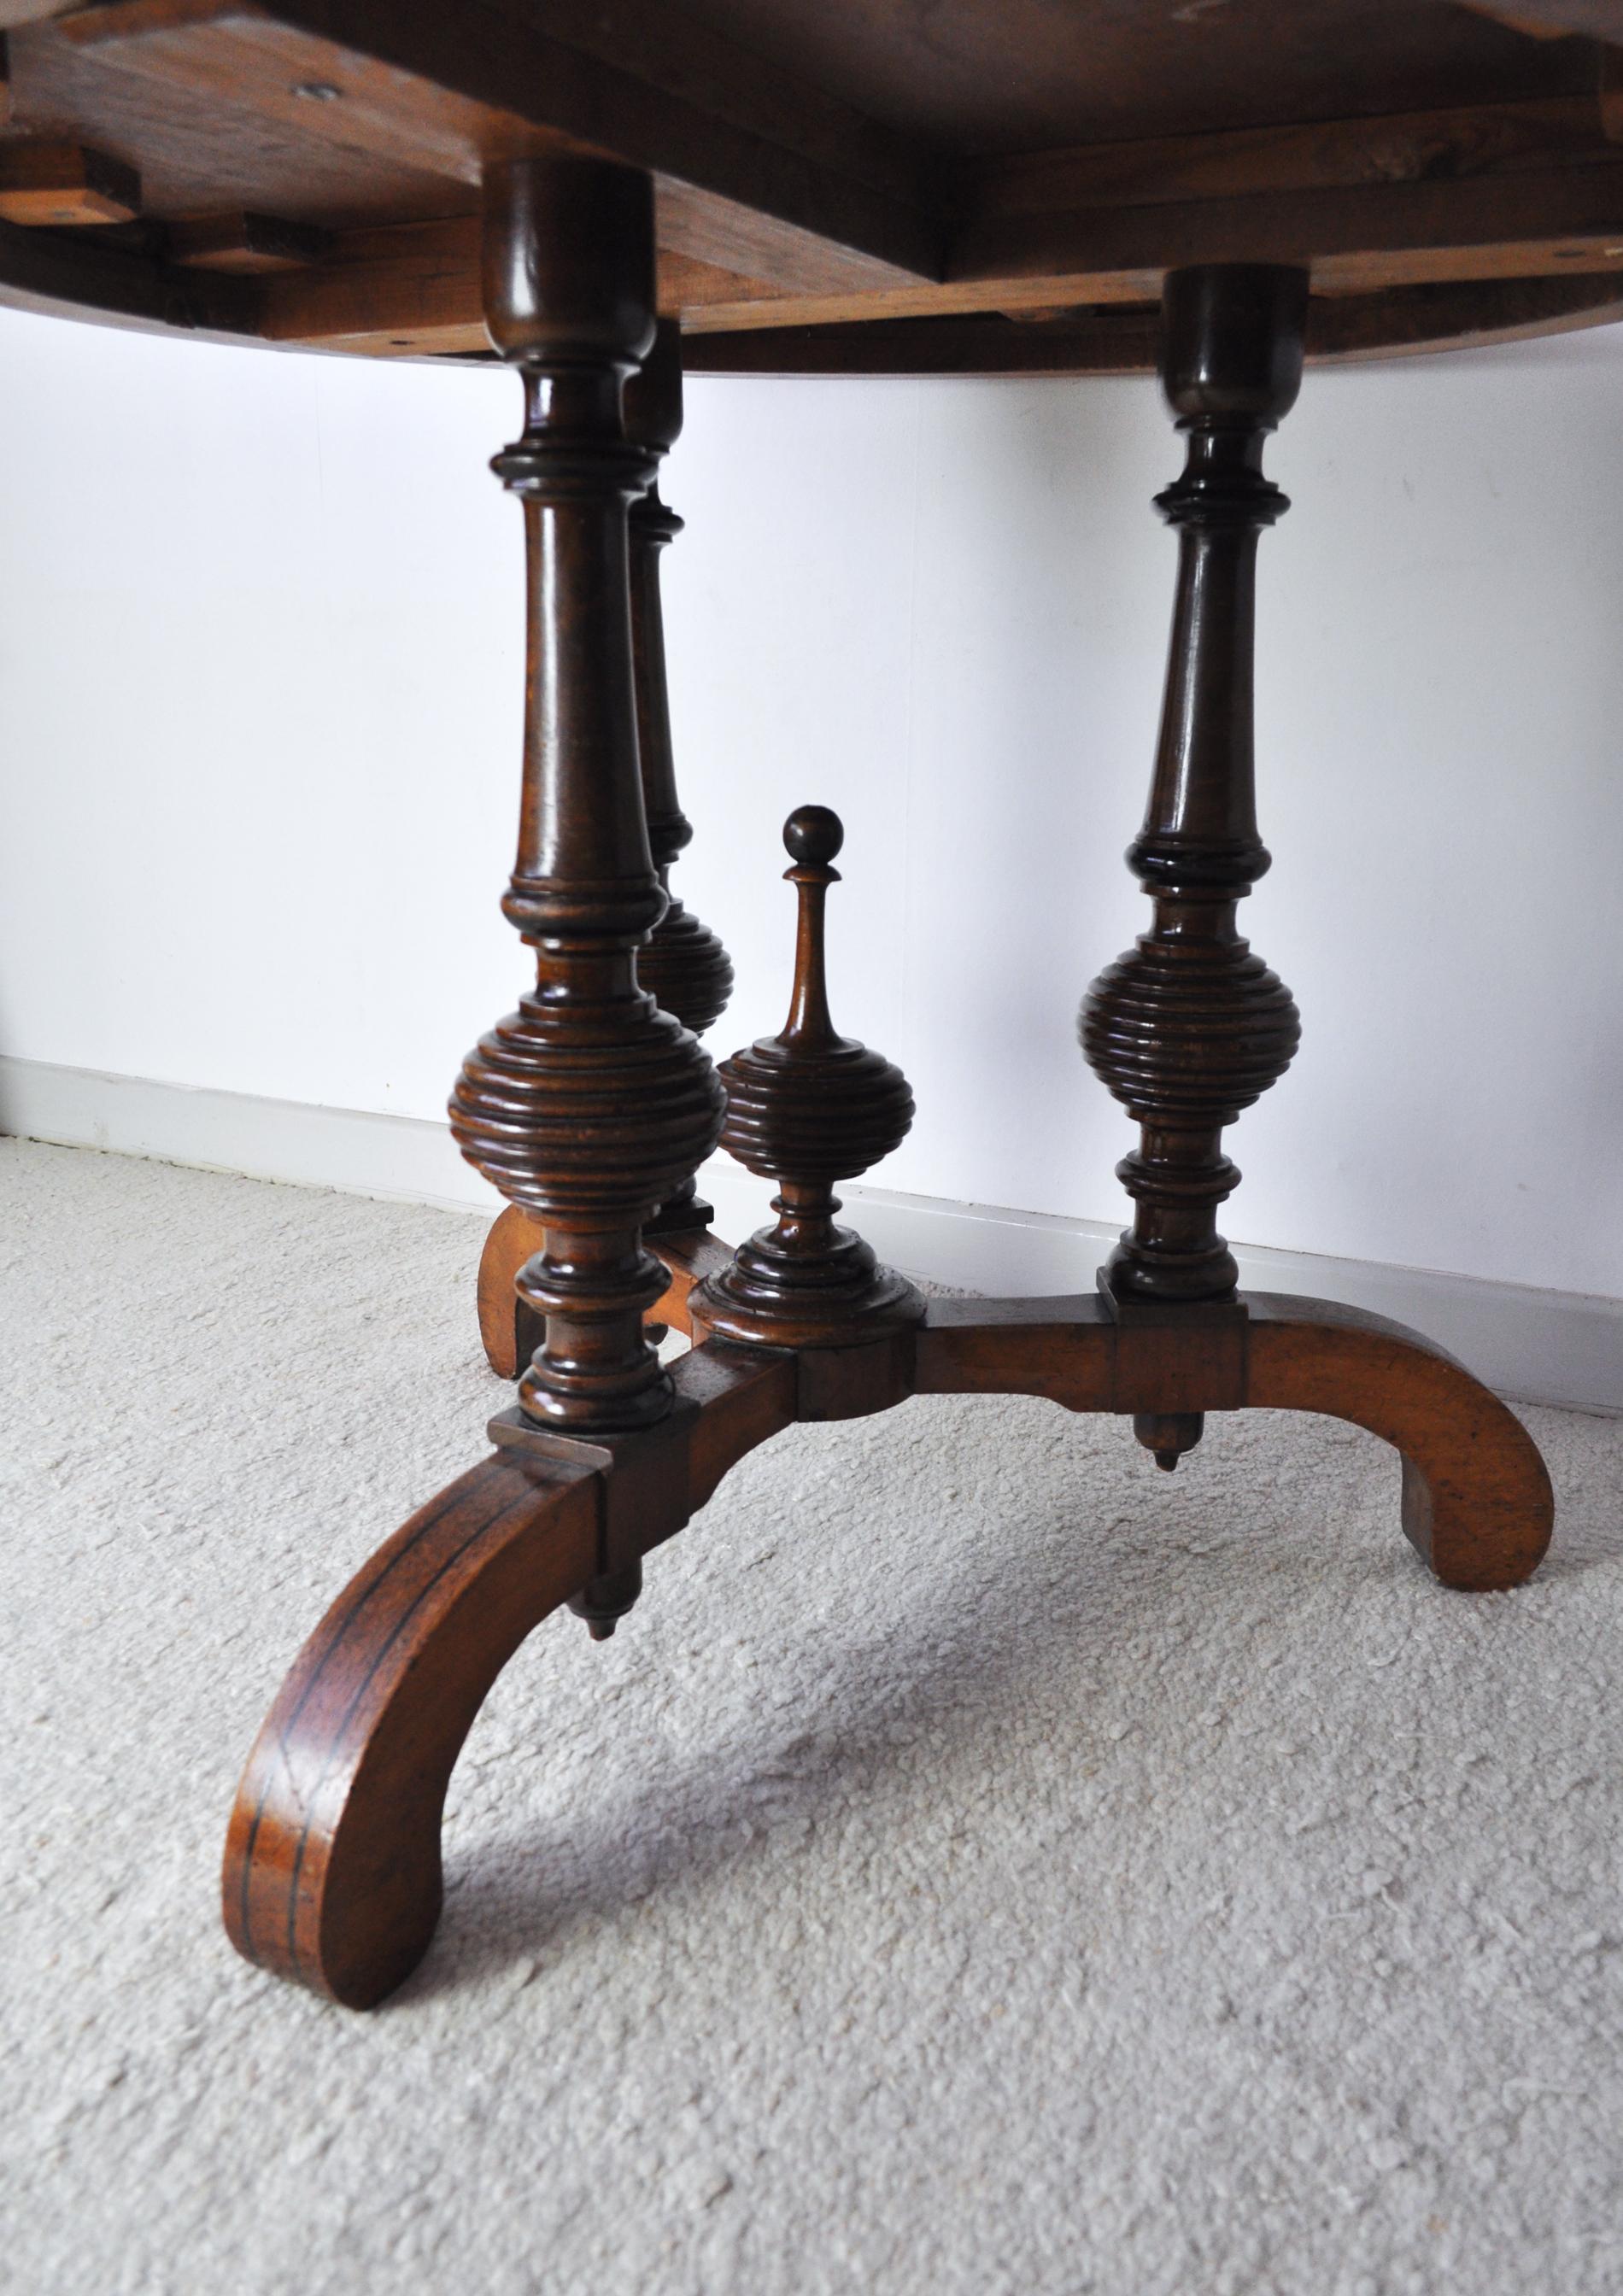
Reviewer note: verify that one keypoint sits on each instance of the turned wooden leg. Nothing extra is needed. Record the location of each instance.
(1189, 1028)
(589, 1106)
(682, 965)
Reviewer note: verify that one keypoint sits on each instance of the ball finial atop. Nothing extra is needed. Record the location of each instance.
(813, 835)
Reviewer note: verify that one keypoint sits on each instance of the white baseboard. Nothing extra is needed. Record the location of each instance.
(1541, 1347)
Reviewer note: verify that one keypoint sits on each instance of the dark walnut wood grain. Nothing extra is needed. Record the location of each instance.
(682, 963)
(1189, 1028)
(332, 1873)
(51, 184)
(588, 1106)
(509, 1330)
(687, 1257)
(1088, 340)
(814, 167)
(251, 246)
(592, 1106)
(1476, 1504)
(333, 1862)
(805, 1109)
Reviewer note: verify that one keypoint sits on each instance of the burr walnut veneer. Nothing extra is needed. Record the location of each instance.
(600, 192)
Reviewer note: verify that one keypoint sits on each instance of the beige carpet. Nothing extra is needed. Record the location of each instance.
(982, 1864)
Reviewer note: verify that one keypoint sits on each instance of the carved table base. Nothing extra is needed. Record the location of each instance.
(593, 1107)
(332, 1871)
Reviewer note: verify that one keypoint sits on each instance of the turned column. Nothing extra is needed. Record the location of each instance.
(1189, 1028)
(589, 1106)
(682, 965)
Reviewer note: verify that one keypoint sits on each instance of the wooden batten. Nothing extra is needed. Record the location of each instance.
(45, 184)
(415, 282)
(1389, 324)
(1517, 225)
(1449, 144)
(72, 274)
(413, 289)
(246, 243)
(449, 91)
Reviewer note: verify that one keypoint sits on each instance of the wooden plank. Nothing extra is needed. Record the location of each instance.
(686, 284)
(449, 89)
(1340, 327)
(1061, 290)
(1465, 316)
(414, 289)
(1495, 225)
(1403, 147)
(1361, 272)
(70, 275)
(247, 243)
(986, 76)
(1105, 342)
(685, 58)
(203, 159)
(45, 182)
(1368, 204)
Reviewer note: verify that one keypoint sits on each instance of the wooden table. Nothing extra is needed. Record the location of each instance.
(602, 192)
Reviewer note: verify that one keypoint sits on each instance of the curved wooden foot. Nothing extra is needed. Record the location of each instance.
(511, 1330)
(333, 1874)
(1476, 1503)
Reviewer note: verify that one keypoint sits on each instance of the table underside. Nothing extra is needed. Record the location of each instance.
(855, 186)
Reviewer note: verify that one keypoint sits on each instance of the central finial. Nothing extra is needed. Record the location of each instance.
(807, 1108)
(812, 836)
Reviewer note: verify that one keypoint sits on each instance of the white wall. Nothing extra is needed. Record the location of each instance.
(261, 653)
